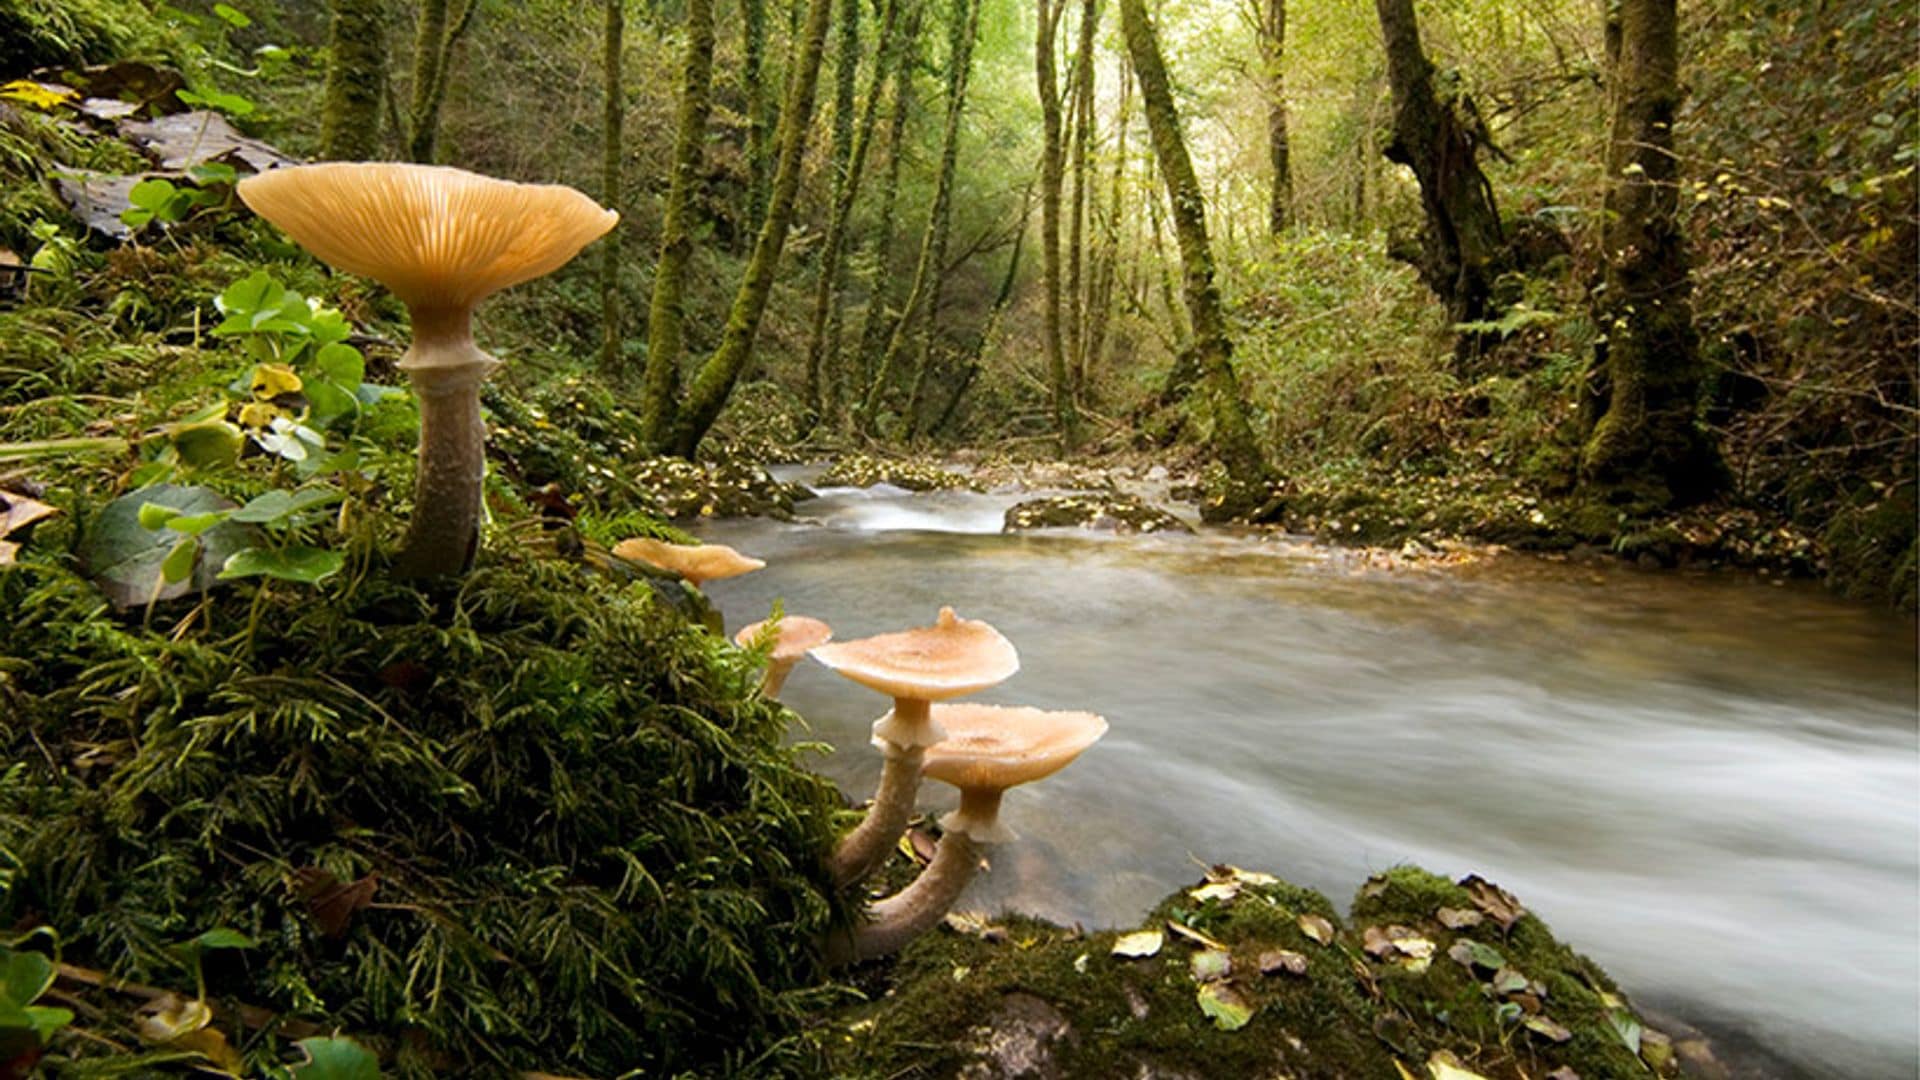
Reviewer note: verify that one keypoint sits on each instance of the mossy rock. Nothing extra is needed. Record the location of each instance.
(1026, 998)
(860, 470)
(587, 845)
(680, 490)
(1101, 512)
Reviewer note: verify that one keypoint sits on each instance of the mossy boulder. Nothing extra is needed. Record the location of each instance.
(1099, 511)
(860, 470)
(586, 847)
(1247, 975)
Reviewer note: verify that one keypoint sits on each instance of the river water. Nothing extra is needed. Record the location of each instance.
(1708, 783)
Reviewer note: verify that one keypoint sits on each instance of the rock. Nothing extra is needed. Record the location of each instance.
(1017, 1043)
(859, 470)
(1103, 512)
(1157, 473)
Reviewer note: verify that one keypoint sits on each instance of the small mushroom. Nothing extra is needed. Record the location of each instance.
(443, 240)
(988, 749)
(794, 635)
(698, 563)
(915, 667)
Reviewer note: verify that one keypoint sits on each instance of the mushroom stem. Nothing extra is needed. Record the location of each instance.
(910, 723)
(862, 851)
(446, 370)
(775, 676)
(914, 910)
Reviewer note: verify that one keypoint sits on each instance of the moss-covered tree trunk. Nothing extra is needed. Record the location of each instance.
(1273, 51)
(1052, 167)
(877, 324)
(753, 86)
(1461, 248)
(614, 150)
(437, 30)
(1081, 143)
(356, 73)
(912, 332)
(1648, 449)
(708, 393)
(1248, 486)
(666, 311)
(1107, 265)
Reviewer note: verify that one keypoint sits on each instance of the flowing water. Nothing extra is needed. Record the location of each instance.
(1707, 783)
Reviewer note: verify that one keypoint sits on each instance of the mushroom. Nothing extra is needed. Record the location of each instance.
(698, 563)
(915, 667)
(793, 636)
(988, 749)
(443, 240)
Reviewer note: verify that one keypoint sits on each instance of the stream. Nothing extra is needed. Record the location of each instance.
(1707, 782)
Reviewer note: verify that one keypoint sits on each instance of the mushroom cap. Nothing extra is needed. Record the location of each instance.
(795, 635)
(698, 563)
(436, 236)
(994, 747)
(952, 657)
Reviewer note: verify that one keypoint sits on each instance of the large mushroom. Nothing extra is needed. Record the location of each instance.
(698, 563)
(793, 635)
(988, 749)
(443, 240)
(916, 668)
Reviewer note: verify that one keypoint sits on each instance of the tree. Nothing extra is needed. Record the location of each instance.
(435, 35)
(666, 313)
(1247, 490)
(1461, 249)
(1081, 141)
(356, 73)
(714, 384)
(877, 325)
(760, 121)
(1047, 13)
(1648, 449)
(610, 183)
(1273, 51)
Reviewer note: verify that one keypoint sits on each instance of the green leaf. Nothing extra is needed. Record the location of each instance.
(47, 1019)
(223, 937)
(151, 194)
(208, 173)
(125, 559)
(276, 505)
(195, 524)
(250, 294)
(232, 16)
(155, 516)
(1224, 1006)
(341, 363)
(178, 564)
(306, 565)
(207, 445)
(336, 1059)
(24, 977)
(1626, 1027)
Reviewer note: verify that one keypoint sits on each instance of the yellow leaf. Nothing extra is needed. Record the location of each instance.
(259, 415)
(37, 94)
(272, 380)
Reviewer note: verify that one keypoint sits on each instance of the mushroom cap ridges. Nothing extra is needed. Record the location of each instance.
(698, 563)
(999, 746)
(952, 657)
(797, 634)
(438, 237)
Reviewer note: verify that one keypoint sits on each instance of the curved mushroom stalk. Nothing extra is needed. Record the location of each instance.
(793, 636)
(861, 851)
(898, 919)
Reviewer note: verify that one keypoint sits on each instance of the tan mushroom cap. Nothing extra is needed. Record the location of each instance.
(952, 657)
(436, 236)
(698, 563)
(994, 747)
(796, 635)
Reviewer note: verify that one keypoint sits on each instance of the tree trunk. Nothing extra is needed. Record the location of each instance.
(711, 387)
(1077, 301)
(877, 325)
(1461, 248)
(1000, 301)
(1273, 51)
(1648, 451)
(822, 385)
(666, 313)
(356, 72)
(923, 293)
(611, 184)
(753, 83)
(435, 36)
(1248, 487)
(1106, 266)
(1051, 169)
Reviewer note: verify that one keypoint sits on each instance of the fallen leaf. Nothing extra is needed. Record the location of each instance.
(1469, 953)
(1375, 941)
(1275, 961)
(1454, 918)
(1317, 928)
(1656, 1049)
(211, 1044)
(1224, 1005)
(336, 1059)
(331, 901)
(1140, 943)
(1508, 981)
(17, 512)
(1194, 936)
(1499, 905)
(1222, 891)
(1445, 1066)
(1544, 1026)
(1229, 872)
(1626, 1027)
(1564, 1072)
(971, 923)
(1209, 965)
(1080, 963)
(172, 1018)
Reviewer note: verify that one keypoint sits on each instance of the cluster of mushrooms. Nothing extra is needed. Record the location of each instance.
(442, 240)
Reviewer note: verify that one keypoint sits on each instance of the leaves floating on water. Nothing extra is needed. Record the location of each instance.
(1139, 944)
(1224, 1006)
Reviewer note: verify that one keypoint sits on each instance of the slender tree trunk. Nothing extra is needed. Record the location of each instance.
(1273, 52)
(436, 33)
(611, 183)
(1000, 301)
(1051, 169)
(356, 73)
(877, 325)
(1462, 248)
(822, 387)
(908, 331)
(1248, 487)
(1106, 267)
(666, 313)
(1648, 450)
(711, 387)
(1083, 120)
(754, 87)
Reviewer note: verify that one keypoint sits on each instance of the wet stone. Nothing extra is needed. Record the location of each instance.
(1102, 512)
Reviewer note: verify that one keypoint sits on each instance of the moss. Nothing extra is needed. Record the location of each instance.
(1874, 546)
(1105, 512)
(860, 470)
